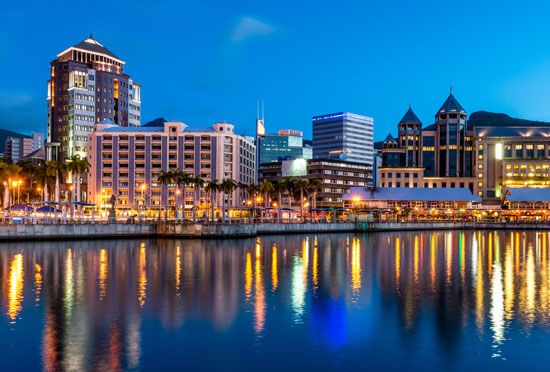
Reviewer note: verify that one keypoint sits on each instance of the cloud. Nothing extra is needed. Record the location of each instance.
(249, 27)
(13, 100)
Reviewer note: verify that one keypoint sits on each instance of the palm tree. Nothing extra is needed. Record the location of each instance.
(301, 186)
(227, 187)
(181, 179)
(197, 183)
(242, 187)
(315, 184)
(42, 179)
(290, 187)
(252, 189)
(8, 171)
(80, 166)
(165, 178)
(212, 188)
(266, 188)
(279, 187)
(29, 171)
(77, 166)
(57, 169)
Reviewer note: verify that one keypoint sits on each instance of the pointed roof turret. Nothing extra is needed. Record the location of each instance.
(389, 138)
(390, 142)
(92, 45)
(410, 117)
(451, 105)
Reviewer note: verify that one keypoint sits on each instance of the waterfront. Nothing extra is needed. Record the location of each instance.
(440, 300)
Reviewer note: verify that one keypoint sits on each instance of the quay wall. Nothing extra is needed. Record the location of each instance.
(284, 228)
(22, 232)
(74, 231)
(418, 226)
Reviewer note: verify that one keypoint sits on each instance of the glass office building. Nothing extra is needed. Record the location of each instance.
(343, 136)
(285, 145)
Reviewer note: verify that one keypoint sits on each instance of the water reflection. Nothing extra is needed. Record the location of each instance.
(94, 298)
(15, 287)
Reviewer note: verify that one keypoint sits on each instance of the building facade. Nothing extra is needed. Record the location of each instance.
(285, 145)
(87, 85)
(512, 157)
(344, 136)
(418, 201)
(127, 161)
(17, 148)
(488, 155)
(337, 176)
(438, 156)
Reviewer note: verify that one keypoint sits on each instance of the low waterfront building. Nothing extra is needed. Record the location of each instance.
(415, 199)
(337, 176)
(512, 157)
(527, 199)
(127, 161)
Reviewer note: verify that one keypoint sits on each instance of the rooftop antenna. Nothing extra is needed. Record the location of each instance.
(451, 89)
(262, 109)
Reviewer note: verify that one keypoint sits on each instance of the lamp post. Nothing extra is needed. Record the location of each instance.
(177, 205)
(19, 190)
(143, 188)
(13, 187)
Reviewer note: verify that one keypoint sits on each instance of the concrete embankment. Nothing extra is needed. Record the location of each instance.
(217, 231)
(74, 231)
(20, 232)
(246, 230)
(418, 226)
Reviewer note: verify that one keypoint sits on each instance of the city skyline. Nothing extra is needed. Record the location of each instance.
(260, 52)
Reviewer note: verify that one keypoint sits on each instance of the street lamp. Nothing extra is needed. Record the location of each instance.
(177, 206)
(143, 187)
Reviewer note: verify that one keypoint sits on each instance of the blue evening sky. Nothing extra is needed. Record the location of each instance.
(200, 61)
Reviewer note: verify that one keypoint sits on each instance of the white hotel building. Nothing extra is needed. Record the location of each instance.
(126, 162)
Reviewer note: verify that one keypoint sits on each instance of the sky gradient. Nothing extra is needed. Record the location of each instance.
(201, 61)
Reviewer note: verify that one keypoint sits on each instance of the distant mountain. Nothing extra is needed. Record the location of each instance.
(158, 122)
(492, 119)
(4, 134)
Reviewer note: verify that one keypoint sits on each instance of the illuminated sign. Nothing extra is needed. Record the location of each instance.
(294, 168)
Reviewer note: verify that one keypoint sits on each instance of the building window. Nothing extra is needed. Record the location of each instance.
(519, 151)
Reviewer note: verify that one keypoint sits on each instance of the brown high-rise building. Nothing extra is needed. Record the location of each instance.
(87, 85)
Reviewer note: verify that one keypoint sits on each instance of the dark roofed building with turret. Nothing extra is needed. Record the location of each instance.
(439, 155)
(489, 153)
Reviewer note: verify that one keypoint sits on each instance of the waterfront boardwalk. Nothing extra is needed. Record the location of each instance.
(21, 232)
